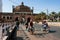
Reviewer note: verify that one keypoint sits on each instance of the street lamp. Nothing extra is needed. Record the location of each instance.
(47, 14)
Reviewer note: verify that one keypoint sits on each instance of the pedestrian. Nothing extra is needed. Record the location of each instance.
(23, 20)
(31, 28)
(17, 23)
(3, 30)
(26, 25)
(27, 21)
(45, 26)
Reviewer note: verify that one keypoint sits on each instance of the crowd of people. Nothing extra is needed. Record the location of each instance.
(29, 25)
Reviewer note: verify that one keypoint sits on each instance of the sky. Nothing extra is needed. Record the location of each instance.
(39, 5)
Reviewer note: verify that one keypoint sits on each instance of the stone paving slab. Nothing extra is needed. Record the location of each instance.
(41, 37)
(22, 34)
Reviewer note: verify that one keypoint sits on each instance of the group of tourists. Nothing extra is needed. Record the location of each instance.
(29, 25)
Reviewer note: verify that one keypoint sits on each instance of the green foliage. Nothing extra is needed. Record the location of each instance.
(53, 15)
(40, 17)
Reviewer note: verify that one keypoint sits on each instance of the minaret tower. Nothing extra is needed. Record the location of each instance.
(22, 3)
(32, 9)
(0, 5)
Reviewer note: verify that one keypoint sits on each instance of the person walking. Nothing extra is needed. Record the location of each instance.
(17, 23)
(27, 21)
(3, 30)
(31, 28)
(26, 25)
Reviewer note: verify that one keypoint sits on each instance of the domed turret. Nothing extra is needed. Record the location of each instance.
(23, 8)
(22, 3)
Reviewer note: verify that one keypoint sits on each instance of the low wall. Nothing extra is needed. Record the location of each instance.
(52, 23)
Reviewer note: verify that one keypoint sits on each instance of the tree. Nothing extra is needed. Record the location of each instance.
(53, 16)
(43, 15)
(59, 14)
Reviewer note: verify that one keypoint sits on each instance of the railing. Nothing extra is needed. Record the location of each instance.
(8, 31)
(12, 35)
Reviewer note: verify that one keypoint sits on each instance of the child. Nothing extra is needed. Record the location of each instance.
(45, 26)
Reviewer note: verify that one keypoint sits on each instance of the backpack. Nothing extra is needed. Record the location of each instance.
(17, 23)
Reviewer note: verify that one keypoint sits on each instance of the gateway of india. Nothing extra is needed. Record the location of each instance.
(20, 11)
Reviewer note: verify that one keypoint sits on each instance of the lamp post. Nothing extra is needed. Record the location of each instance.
(0, 5)
(47, 14)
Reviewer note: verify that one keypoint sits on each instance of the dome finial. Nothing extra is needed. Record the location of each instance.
(22, 3)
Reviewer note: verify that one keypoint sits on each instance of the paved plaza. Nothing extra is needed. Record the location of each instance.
(23, 34)
(54, 34)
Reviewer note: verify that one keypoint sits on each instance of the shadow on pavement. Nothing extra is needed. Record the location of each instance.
(19, 38)
(39, 34)
(52, 31)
